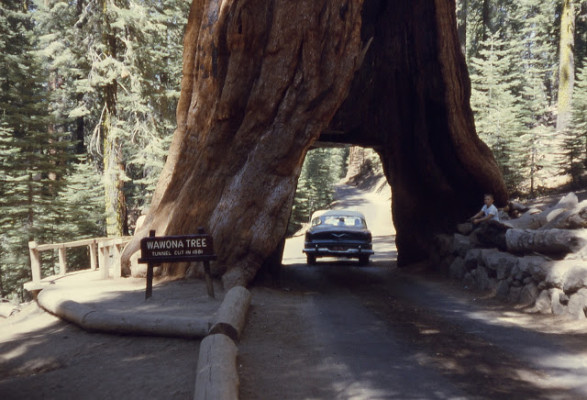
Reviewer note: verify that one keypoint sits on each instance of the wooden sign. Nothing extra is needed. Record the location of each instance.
(176, 248)
(169, 249)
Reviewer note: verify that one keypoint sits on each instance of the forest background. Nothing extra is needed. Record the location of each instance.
(89, 90)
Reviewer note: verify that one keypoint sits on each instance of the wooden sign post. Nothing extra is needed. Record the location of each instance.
(169, 249)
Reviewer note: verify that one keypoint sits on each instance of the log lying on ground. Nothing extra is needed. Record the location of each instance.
(123, 322)
(232, 313)
(551, 241)
(575, 218)
(533, 219)
(7, 309)
(217, 377)
(515, 209)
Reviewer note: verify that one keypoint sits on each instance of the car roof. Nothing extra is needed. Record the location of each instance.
(337, 213)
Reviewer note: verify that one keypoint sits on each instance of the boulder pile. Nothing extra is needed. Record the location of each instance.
(535, 257)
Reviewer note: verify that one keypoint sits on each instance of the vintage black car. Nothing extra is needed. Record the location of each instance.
(338, 233)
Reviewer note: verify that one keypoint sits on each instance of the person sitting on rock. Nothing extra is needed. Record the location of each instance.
(488, 211)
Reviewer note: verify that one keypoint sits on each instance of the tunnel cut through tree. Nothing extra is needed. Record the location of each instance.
(263, 79)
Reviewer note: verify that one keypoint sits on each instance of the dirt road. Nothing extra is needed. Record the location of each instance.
(346, 332)
(340, 331)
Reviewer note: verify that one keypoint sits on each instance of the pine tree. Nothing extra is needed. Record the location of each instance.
(82, 210)
(575, 142)
(534, 32)
(34, 154)
(496, 106)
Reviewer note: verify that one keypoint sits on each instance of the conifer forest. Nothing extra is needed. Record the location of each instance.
(89, 89)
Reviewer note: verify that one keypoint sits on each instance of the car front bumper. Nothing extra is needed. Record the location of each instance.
(322, 251)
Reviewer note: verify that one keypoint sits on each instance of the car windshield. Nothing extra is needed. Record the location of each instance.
(339, 220)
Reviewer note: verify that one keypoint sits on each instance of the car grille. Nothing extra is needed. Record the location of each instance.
(342, 236)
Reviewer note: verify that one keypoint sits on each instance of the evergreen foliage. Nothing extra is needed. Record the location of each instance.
(496, 106)
(576, 135)
(513, 56)
(34, 152)
(89, 78)
(322, 169)
(537, 72)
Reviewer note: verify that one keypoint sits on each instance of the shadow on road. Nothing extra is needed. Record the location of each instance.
(338, 331)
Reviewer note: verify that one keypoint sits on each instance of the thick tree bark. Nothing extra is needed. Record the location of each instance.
(356, 161)
(566, 74)
(262, 79)
(114, 197)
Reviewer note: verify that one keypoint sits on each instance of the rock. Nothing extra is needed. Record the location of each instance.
(457, 268)
(472, 259)
(557, 273)
(557, 298)
(535, 266)
(543, 303)
(443, 244)
(527, 280)
(516, 283)
(502, 263)
(461, 245)
(502, 289)
(481, 278)
(514, 294)
(529, 294)
(578, 255)
(576, 277)
(577, 306)
(469, 279)
(465, 229)
(492, 284)
(492, 234)
(442, 256)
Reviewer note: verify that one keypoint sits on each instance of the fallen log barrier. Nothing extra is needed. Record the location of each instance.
(129, 322)
(232, 313)
(217, 376)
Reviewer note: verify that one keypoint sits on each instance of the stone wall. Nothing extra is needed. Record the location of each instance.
(543, 268)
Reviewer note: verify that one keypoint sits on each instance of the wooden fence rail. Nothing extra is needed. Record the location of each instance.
(104, 255)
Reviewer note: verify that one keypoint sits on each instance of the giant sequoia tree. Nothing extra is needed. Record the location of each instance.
(264, 79)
